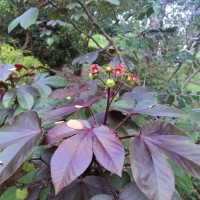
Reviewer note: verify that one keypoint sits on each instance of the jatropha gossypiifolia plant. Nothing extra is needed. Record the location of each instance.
(101, 130)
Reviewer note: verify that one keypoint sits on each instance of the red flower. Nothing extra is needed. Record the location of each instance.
(94, 68)
(122, 65)
(118, 71)
(134, 78)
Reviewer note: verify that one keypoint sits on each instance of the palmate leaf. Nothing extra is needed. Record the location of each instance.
(17, 141)
(74, 155)
(150, 170)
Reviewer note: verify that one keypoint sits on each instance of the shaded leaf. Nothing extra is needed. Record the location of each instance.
(17, 141)
(82, 189)
(70, 160)
(108, 150)
(89, 58)
(10, 193)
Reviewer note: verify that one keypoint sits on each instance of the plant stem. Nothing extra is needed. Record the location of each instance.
(95, 121)
(107, 181)
(107, 107)
(116, 92)
(127, 136)
(121, 123)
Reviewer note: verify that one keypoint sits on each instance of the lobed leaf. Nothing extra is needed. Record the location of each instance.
(70, 160)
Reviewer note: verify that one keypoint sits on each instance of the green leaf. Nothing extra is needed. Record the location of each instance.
(9, 194)
(29, 17)
(21, 194)
(120, 182)
(50, 41)
(28, 167)
(9, 98)
(25, 20)
(115, 2)
(14, 23)
(182, 179)
(28, 178)
(25, 99)
(157, 8)
(44, 193)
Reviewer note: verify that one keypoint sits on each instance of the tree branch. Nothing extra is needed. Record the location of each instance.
(93, 20)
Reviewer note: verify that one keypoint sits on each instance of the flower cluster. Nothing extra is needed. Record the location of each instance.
(113, 73)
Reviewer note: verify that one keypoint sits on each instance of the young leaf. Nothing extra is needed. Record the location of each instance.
(70, 160)
(14, 23)
(108, 150)
(150, 170)
(5, 71)
(17, 141)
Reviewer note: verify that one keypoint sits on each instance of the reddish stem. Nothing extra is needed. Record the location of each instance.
(116, 92)
(121, 123)
(127, 136)
(95, 121)
(107, 107)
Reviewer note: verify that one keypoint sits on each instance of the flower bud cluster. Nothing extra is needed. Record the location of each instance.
(119, 71)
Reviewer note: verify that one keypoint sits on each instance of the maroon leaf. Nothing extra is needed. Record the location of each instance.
(63, 131)
(150, 170)
(108, 150)
(17, 141)
(161, 127)
(159, 110)
(19, 67)
(84, 90)
(59, 94)
(58, 113)
(131, 191)
(71, 159)
(5, 71)
(82, 189)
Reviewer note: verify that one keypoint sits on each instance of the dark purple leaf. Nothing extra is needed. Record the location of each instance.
(5, 71)
(180, 150)
(131, 192)
(58, 113)
(150, 170)
(70, 90)
(162, 128)
(89, 58)
(62, 131)
(71, 159)
(159, 110)
(108, 150)
(17, 141)
(82, 189)
(84, 90)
